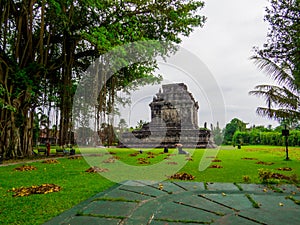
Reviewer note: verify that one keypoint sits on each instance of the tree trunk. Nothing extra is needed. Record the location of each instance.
(67, 91)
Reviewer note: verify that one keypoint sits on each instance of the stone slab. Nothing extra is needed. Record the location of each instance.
(109, 208)
(142, 202)
(221, 187)
(91, 220)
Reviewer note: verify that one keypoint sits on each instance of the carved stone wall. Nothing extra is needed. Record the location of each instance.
(174, 119)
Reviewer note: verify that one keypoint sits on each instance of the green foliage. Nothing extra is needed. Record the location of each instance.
(233, 126)
(3, 104)
(294, 138)
(46, 46)
(240, 138)
(140, 124)
(275, 138)
(280, 59)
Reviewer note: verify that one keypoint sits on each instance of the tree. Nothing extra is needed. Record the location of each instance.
(280, 59)
(140, 124)
(122, 125)
(46, 46)
(231, 127)
(217, 134)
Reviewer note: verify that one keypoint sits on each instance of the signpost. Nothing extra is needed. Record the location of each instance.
(286, 133)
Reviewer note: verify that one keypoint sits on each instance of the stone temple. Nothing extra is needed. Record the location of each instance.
(174, 120)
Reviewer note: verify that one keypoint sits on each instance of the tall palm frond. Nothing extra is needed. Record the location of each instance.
(278, 114)
(282, 76)
(283, 100)
(277, 96)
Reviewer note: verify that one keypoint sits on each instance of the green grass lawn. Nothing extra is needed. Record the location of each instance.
(77, 185)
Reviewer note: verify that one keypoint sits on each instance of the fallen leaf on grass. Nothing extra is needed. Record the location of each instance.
(265, 163)
(285, 169)
(143, 161)
(216, 160)
(41, 189)
(75, 157)
(110, 160)
(111, 153)
(95, 169)
(172, 163)
(160, 186)
(249, 158)
(50, 161)
(182, 176)
(216, 166)
(25, 168)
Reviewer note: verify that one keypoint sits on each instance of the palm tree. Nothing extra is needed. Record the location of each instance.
(282, 100)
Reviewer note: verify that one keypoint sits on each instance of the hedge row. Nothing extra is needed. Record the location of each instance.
(265, 138)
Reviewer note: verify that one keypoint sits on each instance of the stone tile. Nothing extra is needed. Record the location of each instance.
(190, 186)
(185, 202)
(89, 220)
(110, 208)
(222, 187)
(236, 201)
(126, 195)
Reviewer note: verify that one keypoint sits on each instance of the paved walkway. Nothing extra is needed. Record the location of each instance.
(175, 203)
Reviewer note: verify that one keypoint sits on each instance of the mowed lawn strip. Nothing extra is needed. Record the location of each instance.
(70, 175)
(78, 185)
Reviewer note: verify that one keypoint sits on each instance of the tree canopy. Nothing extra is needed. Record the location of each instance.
(46, 45)
(280, 59)
(234, 125)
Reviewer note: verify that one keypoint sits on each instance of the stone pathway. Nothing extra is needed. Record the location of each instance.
(175, 203)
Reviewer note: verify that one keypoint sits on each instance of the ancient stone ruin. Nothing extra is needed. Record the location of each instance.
(174, 119)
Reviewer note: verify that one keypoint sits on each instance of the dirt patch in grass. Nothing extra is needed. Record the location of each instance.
(50, 161)
(189, 159)
(42, 189)
(95, 169)
(133, 154)
(182, 176)
(216, 166)
(25, 168)
(265, 163)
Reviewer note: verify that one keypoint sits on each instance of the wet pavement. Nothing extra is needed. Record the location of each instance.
(175, 203)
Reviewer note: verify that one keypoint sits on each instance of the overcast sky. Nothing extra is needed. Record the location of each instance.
(224, 46)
